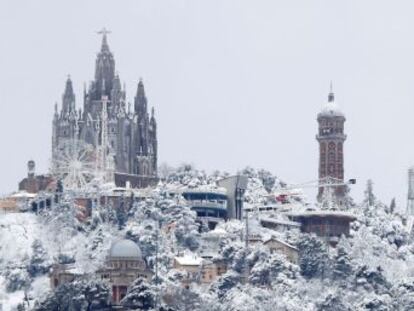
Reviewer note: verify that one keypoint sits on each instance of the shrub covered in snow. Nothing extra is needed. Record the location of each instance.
(78, 295)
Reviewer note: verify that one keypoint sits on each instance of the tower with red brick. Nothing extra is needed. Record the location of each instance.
(331, 140)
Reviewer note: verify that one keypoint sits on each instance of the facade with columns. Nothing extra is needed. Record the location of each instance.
(331, 140)
(131, 133)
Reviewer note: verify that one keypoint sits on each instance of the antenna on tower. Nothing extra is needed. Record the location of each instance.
(331, 96)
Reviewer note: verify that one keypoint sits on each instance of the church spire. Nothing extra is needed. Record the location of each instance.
(140, 99)
(104, 69)
(153, 122)
(104, 45)
(68, 98)
(56, 114)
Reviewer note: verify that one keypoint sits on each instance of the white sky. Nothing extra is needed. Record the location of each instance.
(234, 83)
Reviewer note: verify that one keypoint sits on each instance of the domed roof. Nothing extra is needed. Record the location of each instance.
(125, 249)
(331, 109)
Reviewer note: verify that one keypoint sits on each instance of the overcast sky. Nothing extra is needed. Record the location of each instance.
(234, 83)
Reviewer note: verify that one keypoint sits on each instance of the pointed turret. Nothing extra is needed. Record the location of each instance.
(117, 83)
(153, 126)
(117, 96)
(153, 122)
(56, 110)
(140, 99)
(68, 98)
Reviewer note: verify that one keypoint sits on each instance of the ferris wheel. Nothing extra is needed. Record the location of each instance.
(74, 163)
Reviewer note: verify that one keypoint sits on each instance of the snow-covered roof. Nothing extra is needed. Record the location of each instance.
(279, 241)
(331, 108)
(322, 213)
(199, 189)
(68, 268)
(23, 194)
(189, 259)
(280, 221)
(217, 231)
(126, 249)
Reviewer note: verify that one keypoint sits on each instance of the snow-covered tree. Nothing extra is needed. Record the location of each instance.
(225, 283)
(16, 279)
(140, 296)
(39, 262)
(266, 269)
(313, 257)
(369, 193)
(333, 302)
(393, 206)
(342, 266)
(78, 295)
(267, 178)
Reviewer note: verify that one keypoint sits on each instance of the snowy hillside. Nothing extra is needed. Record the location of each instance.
(373, 269)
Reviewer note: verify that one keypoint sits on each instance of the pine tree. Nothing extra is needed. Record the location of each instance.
(333, 303)
(369, 193)
(393, 206)
(77, 295)
(342, 267)
(267, 179)
(39, 263)
(313, 257)
(140, 296)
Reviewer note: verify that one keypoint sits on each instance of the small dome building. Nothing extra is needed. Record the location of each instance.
(124, 264)
(125, 254)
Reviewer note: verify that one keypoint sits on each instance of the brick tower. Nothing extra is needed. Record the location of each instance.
(331, 139)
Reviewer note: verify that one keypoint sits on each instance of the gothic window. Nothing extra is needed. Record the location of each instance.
(331, 157)
(144, 168)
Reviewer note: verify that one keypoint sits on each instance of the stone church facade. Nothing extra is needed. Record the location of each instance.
(131, 133)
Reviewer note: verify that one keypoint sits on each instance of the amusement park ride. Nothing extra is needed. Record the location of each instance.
(77, 163)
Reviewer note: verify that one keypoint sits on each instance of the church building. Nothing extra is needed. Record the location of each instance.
(128, 135)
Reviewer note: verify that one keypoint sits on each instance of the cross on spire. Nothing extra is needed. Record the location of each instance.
(104, 32)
